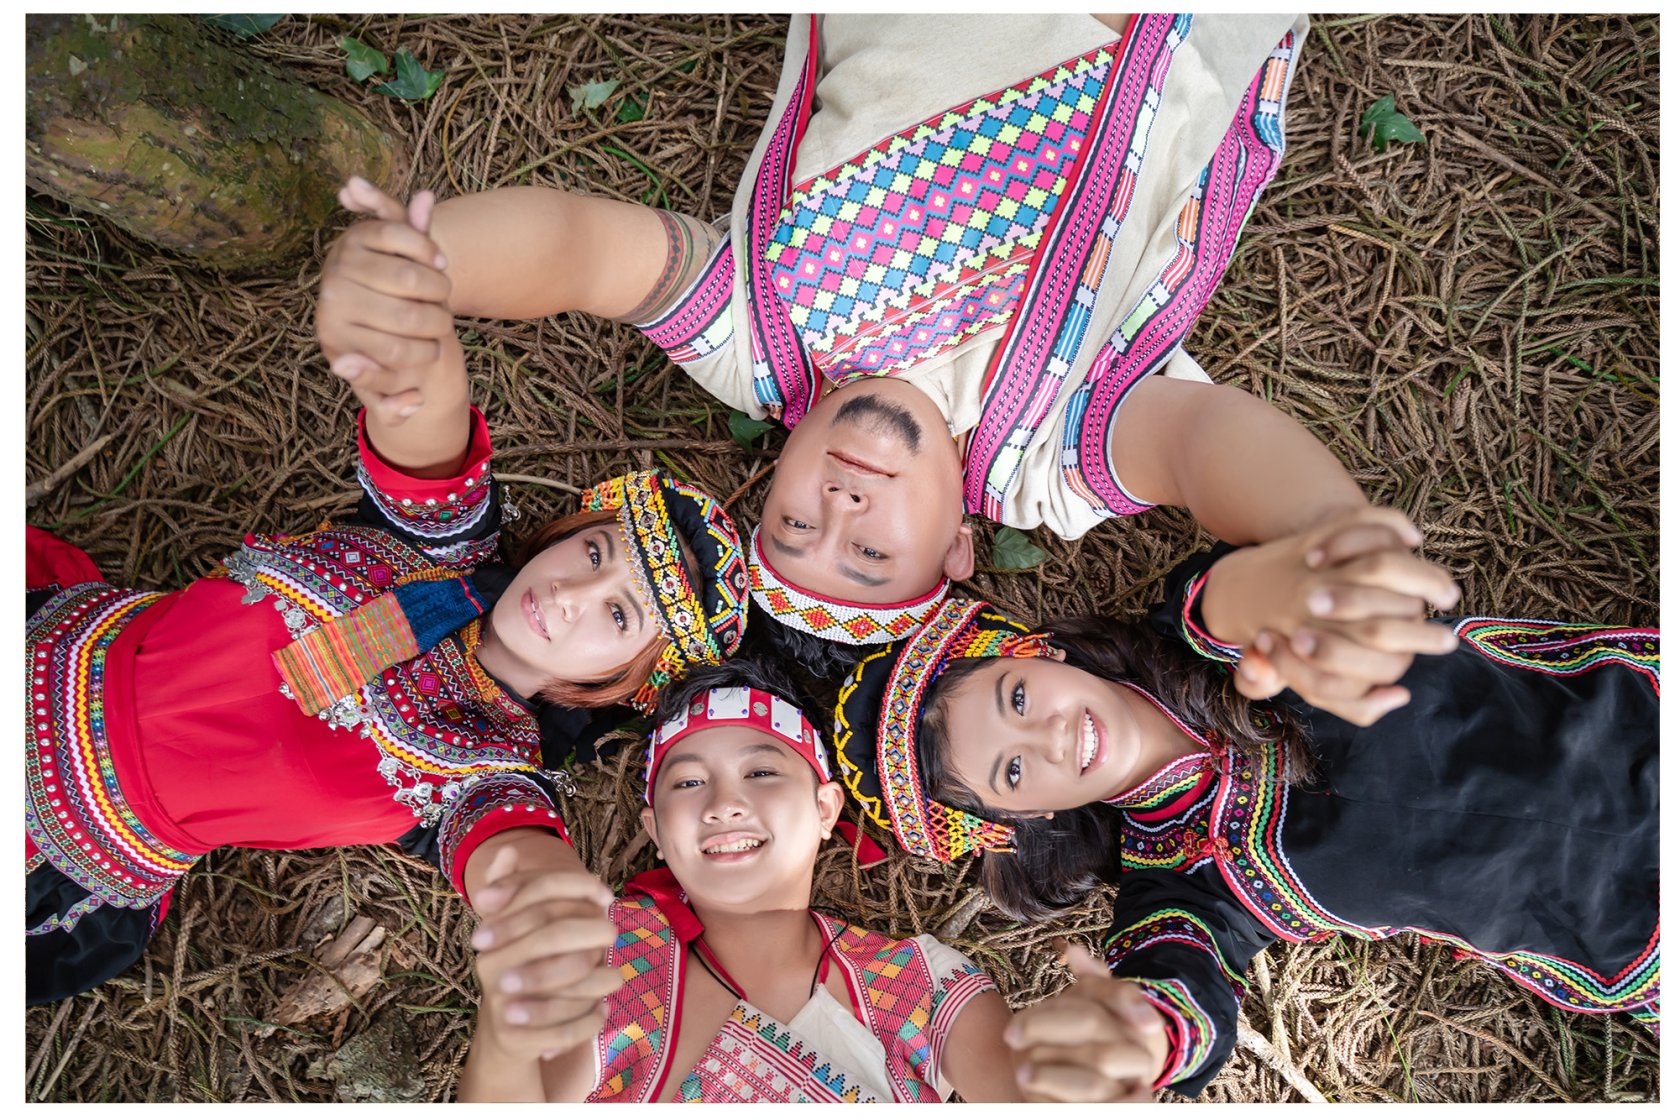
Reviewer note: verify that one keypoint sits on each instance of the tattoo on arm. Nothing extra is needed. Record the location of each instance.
(681, 252)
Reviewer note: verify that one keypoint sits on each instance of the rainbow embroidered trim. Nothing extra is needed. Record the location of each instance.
(1166, 816)
(73, 809)
(1191, 1030)
(835, 620)
(1564, 649)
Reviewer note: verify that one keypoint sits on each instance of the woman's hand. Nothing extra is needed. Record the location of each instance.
(542, 945)
(1334, 612)
(383, 325)
(382, 308)
(1098, 1039)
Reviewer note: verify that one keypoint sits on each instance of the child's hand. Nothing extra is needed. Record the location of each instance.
(1335, 612)
(1099, 1039)
(381, 314)
(541, 956)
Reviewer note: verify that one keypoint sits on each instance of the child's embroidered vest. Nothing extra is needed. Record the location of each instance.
(893, 980)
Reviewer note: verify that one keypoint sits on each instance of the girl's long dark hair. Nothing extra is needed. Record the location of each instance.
(1058, 860)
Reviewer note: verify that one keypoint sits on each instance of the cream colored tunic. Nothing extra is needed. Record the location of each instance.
(933, 217)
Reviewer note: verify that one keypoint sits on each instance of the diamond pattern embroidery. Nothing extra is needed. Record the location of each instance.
(923, 241)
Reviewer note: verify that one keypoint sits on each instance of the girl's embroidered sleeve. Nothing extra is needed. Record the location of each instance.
(1181, 615)
(1187, 943)
(485, 807)
(955, 981)
(438, 515)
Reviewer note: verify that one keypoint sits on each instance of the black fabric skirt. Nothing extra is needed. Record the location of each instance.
(101, 944)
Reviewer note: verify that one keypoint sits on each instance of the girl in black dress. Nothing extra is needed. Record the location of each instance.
(1508, 810)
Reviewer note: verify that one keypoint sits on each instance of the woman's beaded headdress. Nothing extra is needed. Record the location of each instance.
(880, 711)
(656, 515)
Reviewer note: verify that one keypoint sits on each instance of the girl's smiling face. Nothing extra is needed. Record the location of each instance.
(1030, 735)
(572, 613)
(738, 817)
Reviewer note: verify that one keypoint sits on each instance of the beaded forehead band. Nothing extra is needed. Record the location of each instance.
(836, 620)
(886, 693)
(655, 516)
(739, 707)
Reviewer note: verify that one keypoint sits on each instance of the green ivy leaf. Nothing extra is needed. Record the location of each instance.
(1013, 552)
(361, 61)
(745, 429)
(631, 110)
(1382, 122)
(413, 81)
(590, 95)
(244, 26)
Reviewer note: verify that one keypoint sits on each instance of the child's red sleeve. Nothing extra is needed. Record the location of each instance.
(431, 512)
(492, 804)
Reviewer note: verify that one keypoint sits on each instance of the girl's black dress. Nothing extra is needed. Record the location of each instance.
(1510, 810)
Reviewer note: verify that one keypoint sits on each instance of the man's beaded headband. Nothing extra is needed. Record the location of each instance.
(836, 620)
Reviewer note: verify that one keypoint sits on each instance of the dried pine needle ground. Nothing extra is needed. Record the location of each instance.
(1470, 323)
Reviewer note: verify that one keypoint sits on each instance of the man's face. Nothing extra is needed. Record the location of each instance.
(866, 501)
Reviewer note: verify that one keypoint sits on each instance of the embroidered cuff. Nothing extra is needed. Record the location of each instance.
(1169, 926)
(490, 805)
(430, 508)
(1192, 1036)
(700, 323)
(1194, 630)
(1190, 1030)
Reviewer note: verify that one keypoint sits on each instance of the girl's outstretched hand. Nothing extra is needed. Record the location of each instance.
(541, 953)
(1098, 1039)
(1335, 612)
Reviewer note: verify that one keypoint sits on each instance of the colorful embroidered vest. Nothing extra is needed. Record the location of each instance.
(754, 1056)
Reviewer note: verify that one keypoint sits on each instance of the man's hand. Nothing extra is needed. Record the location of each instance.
(541, 954)
(1334, 612)
(1099, 1039)
(382, 310)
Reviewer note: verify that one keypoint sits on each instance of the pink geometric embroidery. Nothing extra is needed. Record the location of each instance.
(922, 241)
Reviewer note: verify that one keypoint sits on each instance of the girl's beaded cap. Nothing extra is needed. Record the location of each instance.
(880, 709)
(836, 620)
(739, 706)
(656, 515)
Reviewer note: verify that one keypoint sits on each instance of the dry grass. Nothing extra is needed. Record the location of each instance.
(1471, 324)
